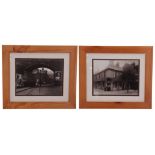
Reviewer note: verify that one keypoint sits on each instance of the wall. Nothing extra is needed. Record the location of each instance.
(78, 132)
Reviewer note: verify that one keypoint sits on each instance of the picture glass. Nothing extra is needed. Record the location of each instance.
(115, 77)
(39, 76)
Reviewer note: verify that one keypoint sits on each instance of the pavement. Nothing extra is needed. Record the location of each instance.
(116, 92)
(44, 90)
(21, 89)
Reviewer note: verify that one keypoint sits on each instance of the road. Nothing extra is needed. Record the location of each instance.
(44, 90)
(118, 92)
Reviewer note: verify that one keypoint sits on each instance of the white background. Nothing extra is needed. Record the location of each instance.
(77, 132)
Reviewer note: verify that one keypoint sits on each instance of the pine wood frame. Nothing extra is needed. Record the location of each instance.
(7, 49)
(148, 50)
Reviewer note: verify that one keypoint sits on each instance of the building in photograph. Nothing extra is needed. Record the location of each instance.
(115, 77)
(109, 78)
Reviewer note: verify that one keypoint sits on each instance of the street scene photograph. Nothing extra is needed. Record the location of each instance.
(39, 77)
(115, 77)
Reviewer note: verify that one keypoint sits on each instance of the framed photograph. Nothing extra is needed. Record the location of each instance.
(39, 76)
(116, 76)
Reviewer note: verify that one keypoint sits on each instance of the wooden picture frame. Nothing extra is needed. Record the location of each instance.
(85, 51)
(71, 51)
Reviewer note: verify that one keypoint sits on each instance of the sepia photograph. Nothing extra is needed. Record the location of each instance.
(115, 77)
(39, 77)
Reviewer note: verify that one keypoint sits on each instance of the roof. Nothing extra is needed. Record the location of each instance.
(29, 64)
(111, 68)
(115, 68)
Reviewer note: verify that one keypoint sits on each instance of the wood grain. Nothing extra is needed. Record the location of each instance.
(147, 50)
(7, 49)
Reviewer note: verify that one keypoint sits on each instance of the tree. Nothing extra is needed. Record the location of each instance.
(117, 64)
(129, 75)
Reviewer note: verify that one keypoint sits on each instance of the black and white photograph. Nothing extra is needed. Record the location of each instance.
(115, 77)
(39, 77)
